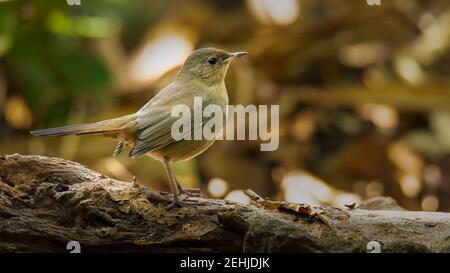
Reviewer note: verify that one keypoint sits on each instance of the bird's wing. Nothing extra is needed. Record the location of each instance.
(154, 131)
(119, 148)
(154, 121)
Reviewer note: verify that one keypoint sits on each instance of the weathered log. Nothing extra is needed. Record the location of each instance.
(47, 202)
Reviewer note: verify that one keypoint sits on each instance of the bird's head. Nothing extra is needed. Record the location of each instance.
(208, 64)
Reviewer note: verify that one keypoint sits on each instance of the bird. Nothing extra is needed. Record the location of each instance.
(148, 131)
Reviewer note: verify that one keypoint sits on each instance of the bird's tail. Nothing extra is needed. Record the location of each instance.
(110, 127)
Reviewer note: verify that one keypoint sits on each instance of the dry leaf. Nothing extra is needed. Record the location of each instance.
(298, 208)
(275, 205)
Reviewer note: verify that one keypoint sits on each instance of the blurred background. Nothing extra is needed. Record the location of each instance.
(364, 91)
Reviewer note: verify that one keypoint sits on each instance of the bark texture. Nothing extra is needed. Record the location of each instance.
(47, 202)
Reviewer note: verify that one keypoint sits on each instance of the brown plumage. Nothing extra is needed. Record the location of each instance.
(148, 131)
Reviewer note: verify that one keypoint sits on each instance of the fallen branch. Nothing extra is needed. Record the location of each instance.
(47, 202)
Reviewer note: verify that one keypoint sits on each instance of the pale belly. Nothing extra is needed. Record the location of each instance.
(182, 150)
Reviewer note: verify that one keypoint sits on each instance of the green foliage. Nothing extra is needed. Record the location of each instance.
(53, 67)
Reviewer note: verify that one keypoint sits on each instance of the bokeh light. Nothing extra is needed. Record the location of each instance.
(278, 12)
(17, 113)
(430, 203)
(159, 55)
(217, 187)
(410, 185)
(383, 116)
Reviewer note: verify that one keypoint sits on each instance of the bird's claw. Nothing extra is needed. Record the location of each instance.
(175, 203)
(194, 192)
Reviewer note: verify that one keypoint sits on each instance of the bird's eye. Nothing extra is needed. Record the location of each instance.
(212, 60)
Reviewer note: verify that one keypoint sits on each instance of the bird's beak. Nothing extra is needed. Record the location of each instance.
(238, 54)
(235, 55)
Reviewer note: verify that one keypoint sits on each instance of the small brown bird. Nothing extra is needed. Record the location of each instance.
(148, 131)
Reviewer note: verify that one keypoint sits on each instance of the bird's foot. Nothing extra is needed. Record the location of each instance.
(193, 192)
(176, 203)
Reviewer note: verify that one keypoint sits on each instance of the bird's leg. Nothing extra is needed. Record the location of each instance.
(173, 186)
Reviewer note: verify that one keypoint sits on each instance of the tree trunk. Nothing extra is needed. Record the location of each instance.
(47, 202)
